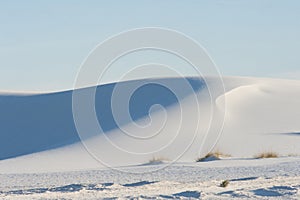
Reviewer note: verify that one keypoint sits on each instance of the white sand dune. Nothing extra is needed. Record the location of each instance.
(38, 134)
(261, 115)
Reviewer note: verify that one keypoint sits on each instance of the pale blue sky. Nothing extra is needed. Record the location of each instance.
(42, 43)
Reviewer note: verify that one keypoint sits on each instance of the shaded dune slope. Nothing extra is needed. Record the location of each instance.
(34, 123)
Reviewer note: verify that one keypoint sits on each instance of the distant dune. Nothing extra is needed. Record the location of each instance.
(40, 128)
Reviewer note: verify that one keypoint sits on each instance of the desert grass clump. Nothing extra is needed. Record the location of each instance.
(224, 183)
(157, 160)
(267, 155)
(220, 154)
(216, 155)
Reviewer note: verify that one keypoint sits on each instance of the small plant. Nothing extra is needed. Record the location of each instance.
(217, 155)
(208, 157)
(224, 183)
(267, 155)
(157, 160)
